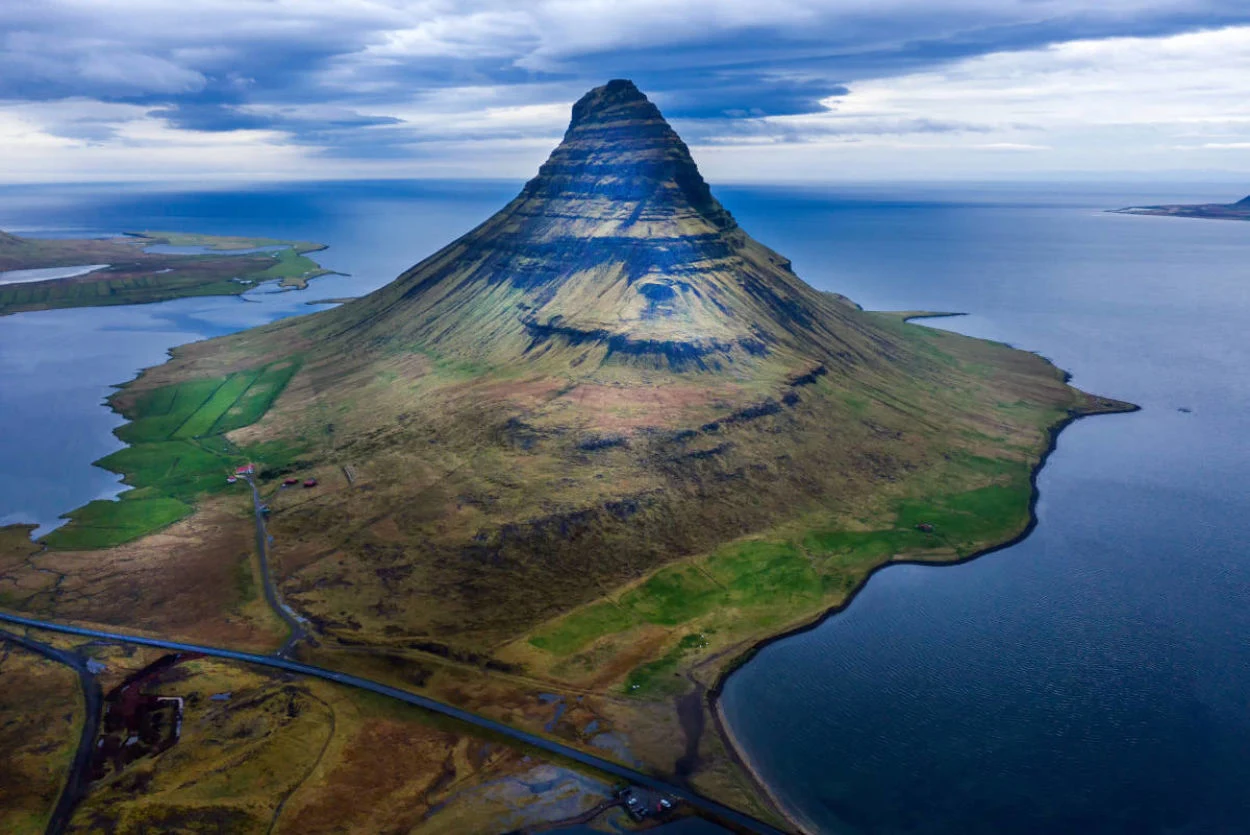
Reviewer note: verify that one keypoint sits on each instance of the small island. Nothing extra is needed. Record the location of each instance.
(144, 267)
(1212, 211)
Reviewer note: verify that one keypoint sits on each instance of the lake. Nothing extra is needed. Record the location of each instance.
(1093, 678)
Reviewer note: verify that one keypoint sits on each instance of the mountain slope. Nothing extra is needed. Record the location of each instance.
(616, 252)
(605, 376)
(601, 444)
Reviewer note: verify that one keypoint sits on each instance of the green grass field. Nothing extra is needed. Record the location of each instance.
(579, 628)
(291, 264)
(660, 677)
(225, 243)
(766, 581)
(673, 595)
(202, 420)
(161, 412)
(178, 452)
(104, 523)
(183, 469)
(252, 404)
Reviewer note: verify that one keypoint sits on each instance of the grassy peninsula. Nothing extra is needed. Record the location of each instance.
(132, 275)
(571, 468)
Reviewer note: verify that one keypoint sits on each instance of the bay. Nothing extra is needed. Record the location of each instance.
(1092, 678)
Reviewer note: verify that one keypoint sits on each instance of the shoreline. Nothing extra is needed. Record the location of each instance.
(1212, 211)
(736, 751)
(723, 727)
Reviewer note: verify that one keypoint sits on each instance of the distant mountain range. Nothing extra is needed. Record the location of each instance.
(1216, 211)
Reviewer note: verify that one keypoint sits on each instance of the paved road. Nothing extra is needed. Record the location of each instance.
(79, 770)
(293, 621)
(703, 804)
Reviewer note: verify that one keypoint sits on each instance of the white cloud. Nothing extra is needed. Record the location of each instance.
(1115, 104)
(102, 65)
(61, 140)
(546, 34)
(1216, 146)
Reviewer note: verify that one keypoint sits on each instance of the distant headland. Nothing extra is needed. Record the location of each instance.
(144, 267)
(1216, 211)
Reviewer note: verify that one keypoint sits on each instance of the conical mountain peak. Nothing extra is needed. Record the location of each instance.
(618, 147)
(618, 99)
(616, 252)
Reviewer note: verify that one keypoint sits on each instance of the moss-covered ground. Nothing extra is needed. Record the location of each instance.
(258, 752)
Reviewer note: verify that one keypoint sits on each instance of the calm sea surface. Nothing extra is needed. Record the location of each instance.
(1092, 679)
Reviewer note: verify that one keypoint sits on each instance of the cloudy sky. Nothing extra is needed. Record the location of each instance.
(765, 90)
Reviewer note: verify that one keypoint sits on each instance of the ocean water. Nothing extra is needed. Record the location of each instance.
(1094, 678)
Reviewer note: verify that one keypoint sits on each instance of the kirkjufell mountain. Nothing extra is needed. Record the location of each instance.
(616, 252)
(606, 376)
(599, 446)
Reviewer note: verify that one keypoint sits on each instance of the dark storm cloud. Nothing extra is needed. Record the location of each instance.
(206, 115)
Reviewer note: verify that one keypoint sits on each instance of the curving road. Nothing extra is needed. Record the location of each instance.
(293, 621)
(710, 807)
(78, 777)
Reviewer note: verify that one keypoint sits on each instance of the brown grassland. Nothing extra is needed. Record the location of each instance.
(279, 754)
(40, 717)
(262, 752)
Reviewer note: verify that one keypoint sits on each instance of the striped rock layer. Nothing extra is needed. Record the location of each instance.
(616, 252)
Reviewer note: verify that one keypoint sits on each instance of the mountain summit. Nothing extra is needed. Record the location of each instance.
(620, 153)
(616, 252)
